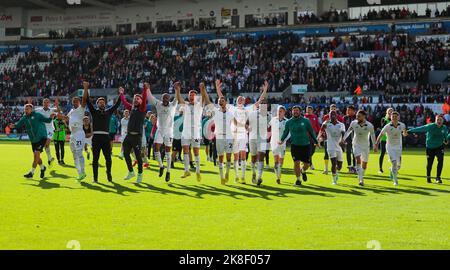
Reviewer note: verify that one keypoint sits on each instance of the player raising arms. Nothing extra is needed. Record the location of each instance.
(393, 131)
(101, 118)
(223, 117)
(278, 124)
(363, 132)
(192, 128)
(135, 130)
(334, 130)
(77, 137)
(34, 125)
(301, 132)
(164, 133)
(258, 120)
(437, 136)
(47, 112)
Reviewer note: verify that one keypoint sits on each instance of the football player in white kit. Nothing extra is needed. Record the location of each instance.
(164, 134)
(278, 123)
(240, 132)
(192, 126)
(123, 130)
(363, 132)
(394, 131)
(335, 131)
(223, 117)
(77, 137)
(258, 122)
(47, 112)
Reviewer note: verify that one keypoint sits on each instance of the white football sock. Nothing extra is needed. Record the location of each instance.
(197, 163)
(260, 169)
(186, 162)
(228, 167)
(243, 167)
(49, 153)
(169, 160)
(236, 168)
(158, 158)
(32, 170)
(253, 168)
(221, 170)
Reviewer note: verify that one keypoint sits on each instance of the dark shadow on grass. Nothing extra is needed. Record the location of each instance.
(391, 190)
(44, 184)
(163, 191)
(54, 174)
(96, 187)
(201, 190)
(68, 166)
(334, 190)
(385, 177)
(120, 190)
(264, 191)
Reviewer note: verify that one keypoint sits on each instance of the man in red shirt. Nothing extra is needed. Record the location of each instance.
(316, 127)
(325, 118)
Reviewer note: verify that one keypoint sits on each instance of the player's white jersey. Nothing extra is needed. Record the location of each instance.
(258, 125)
(393, 135)
(192, 123)
(124, 127)
(47, 113)
(241, 118)
(334, 134)
(76, 119)
(362, 132)
(222, 122)
(278, 127)
(165, 116)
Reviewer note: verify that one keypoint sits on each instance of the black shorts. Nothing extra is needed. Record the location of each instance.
(176, 145)
(301, 153)
(39, 146)
(206, 142)
(112, 136)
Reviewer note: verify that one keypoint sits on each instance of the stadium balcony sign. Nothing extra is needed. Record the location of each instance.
(299, 88)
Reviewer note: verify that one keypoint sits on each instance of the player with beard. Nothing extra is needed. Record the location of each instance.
(47, 112)
(301, 131)
(101, 118)
(135, 130)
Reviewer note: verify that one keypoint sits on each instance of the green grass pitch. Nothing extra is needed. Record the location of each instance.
(189, 215)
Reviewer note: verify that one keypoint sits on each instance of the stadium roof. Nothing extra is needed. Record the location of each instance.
(62, 4)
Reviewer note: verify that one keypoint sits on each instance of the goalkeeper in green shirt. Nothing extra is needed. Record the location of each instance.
(437, 136)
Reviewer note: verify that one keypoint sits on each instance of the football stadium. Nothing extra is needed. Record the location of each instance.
(237, 125)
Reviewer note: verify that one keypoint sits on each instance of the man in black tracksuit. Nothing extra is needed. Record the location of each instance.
(133, 139)
(348, 118)
(100, 140)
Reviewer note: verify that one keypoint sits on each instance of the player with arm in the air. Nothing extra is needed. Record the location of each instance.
(301, 132)
(164, 133)
(363, 132)
(35, 126)
(393, 131)
(47, 112)
(278, 124)
(77, 137)
(135, 130)
(258, 120)
(223, 117)
(335, 130)
(101, 118)
(437, 136)
(192, 128)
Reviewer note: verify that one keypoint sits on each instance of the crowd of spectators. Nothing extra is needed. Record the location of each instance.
(243, 65)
